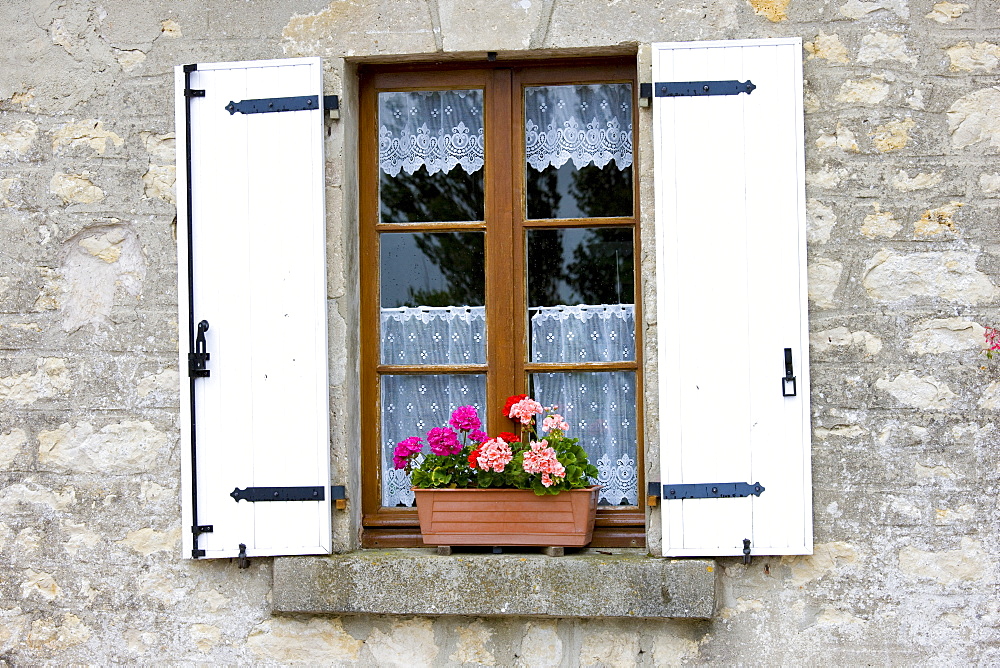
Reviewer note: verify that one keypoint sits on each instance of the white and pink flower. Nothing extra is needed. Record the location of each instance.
(554, 421)
(542, 459)
(525, 410)
(494, 454)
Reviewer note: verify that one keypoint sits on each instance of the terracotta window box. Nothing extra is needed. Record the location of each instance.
(506, 517)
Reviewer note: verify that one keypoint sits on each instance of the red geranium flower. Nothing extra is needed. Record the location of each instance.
(510, 402)
(473, 456)
(509, 437)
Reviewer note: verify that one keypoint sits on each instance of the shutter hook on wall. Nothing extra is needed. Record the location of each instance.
(746, 551)
(242, 561)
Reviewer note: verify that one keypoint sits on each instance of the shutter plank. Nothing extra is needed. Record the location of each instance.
(777, 201)
(668, 279)
(715, 394)
(219, 166)
(282, 360)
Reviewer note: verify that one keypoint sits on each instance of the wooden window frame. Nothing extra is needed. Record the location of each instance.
(507, 367)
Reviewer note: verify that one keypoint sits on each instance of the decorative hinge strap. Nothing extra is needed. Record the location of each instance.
(699, 88)
(270, 105)
(254, 494)
(712, 490)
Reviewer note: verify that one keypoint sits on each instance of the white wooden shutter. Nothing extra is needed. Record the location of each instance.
(731, 297)
(256, 225)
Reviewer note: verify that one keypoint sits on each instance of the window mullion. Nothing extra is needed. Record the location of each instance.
(504, 326)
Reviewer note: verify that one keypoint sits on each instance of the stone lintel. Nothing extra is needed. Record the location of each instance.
(423, 582)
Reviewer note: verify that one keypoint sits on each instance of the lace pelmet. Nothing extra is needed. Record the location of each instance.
(438, 130)
(585, 124)
(441, 130)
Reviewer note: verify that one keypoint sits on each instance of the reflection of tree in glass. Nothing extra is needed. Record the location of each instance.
(460, 257)
(602, 193)
(426, 198)
(543, 193)
(602, 269)
(588, 192)
(545, 267)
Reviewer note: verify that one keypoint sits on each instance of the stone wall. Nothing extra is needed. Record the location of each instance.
(903, 187)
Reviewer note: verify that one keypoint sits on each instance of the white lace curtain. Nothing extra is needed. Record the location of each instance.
(585, 124)
(583, 333)
(434, 335)
(438, 130)
(600, 407)
(441, 130)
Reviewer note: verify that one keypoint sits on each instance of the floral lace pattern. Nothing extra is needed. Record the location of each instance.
(619, 481)
(434, 335)
(583, 333)
(439, 130)
(585, 124)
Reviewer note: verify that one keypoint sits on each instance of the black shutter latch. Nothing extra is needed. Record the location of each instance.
(198, 360)
(788, 382)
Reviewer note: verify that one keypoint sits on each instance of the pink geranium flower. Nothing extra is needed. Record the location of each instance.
(406, 449)
(542, 459)
(465, 418)
(443, 441)
(554, 421)
(494, 454)
(992, 341)
(525, 410)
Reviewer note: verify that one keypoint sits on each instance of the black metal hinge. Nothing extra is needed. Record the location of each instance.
(645, 94)
(197, 530)
(194, 92)
(697, 88)
(713, 490)
(254, 494)
(270, 105)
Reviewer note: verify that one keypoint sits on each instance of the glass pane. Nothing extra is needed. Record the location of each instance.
(578, 144)
(581, 295)
(411, 406)
(600, 410)
(433, 290)
(431, 153)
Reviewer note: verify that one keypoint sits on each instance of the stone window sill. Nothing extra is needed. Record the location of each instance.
(590, 583)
